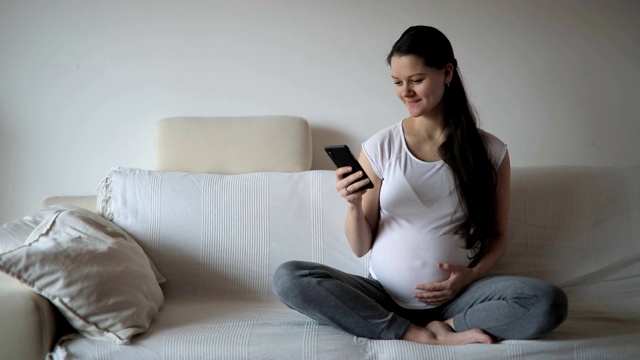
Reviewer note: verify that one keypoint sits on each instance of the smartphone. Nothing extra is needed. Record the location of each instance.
(342, 156)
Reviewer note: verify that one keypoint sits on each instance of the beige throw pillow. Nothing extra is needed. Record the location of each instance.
(92, 271)
(15, 233)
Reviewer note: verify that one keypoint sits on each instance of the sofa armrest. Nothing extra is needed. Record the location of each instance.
(28, 326)
(86, 202)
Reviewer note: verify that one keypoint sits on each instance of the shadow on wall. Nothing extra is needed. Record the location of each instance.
(321, 137)
(8, 158)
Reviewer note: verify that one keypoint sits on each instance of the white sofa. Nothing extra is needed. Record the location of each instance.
(218, 235)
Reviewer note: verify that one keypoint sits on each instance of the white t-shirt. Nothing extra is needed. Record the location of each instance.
(419, 214)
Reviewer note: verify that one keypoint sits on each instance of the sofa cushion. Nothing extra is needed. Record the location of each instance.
(198, 328)
(223, 236)
(93, 272)
(233, 144)
(579, 227)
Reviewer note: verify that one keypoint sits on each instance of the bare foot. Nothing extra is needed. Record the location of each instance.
(439, 333)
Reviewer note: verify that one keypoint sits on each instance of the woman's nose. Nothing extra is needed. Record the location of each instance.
(407, 90)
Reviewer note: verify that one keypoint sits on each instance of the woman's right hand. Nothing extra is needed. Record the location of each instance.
(348, 188)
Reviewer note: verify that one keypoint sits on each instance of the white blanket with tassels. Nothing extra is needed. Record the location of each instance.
(219, 238)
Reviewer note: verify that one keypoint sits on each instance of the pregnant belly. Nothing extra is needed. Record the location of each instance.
(402, 263)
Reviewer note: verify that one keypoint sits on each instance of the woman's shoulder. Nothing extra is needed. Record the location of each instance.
(390, 132)
(496, 148)
(488, 137)
(381, 146)
(385, 142)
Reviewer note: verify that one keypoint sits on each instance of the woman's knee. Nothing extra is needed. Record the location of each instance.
(549, 310)
(285, 275)
(290, 276)
(536, 306)
(553, 302)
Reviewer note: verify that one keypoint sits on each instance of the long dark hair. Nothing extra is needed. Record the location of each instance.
(463, 150)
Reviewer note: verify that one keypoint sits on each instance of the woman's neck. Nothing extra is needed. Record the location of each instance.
(423, 138)
(429, 128)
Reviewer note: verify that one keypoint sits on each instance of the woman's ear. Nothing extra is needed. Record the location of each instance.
(448, 73)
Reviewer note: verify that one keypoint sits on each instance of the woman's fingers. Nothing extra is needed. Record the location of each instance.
(348, 185)
(356, 188)
(340, 172)
(432, 299)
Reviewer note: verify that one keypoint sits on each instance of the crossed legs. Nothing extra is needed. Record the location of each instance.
(504, 307)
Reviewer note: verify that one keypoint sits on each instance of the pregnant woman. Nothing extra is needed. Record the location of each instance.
(435, 223)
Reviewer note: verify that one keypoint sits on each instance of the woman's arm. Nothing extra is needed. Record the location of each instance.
(498, 246)
(460, 276)
(363, 211)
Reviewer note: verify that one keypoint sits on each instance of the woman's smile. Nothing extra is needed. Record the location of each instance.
(420, 87)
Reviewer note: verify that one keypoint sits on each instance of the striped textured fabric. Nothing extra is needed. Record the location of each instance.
(223, 236)
(219, 238)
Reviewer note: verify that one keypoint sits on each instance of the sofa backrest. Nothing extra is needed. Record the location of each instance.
(579, 228)
(223, 236)
(223, 145)
(233, 145)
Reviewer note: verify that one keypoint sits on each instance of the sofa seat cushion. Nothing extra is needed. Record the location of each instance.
(191, 327)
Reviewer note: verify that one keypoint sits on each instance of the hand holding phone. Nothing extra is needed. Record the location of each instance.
(342, 156)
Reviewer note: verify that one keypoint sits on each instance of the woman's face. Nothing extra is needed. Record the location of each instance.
(419, 87)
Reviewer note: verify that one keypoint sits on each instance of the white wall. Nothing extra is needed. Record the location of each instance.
(82, 83)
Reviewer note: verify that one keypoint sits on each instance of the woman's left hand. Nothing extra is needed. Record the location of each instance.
(439, 293)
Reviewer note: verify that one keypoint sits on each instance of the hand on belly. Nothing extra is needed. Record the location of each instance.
(402, 281)
(402, 263)
(437, 293)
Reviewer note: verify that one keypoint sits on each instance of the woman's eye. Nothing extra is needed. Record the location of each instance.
(417, 81)
(397, 83)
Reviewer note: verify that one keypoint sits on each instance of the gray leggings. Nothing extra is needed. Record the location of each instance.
(505, 307)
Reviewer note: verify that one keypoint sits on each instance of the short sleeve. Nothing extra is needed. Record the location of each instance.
(496, 149)
(372, 150)
(380, 147)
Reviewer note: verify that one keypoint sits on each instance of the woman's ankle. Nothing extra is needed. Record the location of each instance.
(419, 334)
